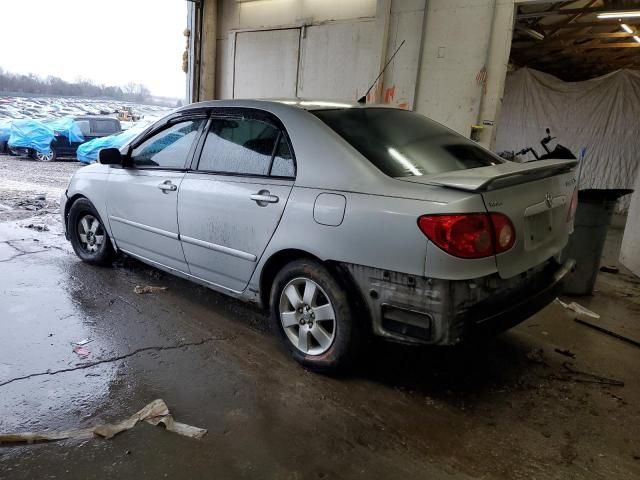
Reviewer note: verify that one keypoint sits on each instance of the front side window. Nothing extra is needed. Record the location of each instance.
(243, 146)
(406, 144)
(168, 148)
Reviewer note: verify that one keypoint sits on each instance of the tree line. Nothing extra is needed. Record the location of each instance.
(13, 83)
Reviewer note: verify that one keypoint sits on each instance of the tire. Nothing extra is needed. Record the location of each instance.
(327, 344)
(90, 241)
(49, 157)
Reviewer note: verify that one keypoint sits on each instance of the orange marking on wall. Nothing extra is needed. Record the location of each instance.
(389, 94)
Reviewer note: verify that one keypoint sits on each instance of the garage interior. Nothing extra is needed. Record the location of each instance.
(555, 397)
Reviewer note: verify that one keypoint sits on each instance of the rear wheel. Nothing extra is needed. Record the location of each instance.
(313, 315)
(46, 157)
(88, 236)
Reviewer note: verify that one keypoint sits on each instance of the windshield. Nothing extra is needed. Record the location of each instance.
(405, 144)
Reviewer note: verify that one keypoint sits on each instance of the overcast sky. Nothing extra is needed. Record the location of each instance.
(112, 42)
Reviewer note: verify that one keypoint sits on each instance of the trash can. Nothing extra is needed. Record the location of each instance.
(593, 216)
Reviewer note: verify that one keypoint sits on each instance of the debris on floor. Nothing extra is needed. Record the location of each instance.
(537, 356)
(609, 269)
(140, 290)
(84, 341)
(81, 351)
(606, 331)
(154, 413)
(579, 376)
(38, 228)
(566, 352)
(581, 311)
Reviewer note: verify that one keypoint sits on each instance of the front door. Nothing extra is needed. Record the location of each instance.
(231, 204)
(143, 199)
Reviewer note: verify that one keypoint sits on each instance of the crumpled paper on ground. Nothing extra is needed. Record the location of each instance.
(140, 290)
(582, 312)
(154, 413)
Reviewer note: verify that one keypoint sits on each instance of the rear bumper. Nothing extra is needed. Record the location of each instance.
(443, 312)
(492, 317)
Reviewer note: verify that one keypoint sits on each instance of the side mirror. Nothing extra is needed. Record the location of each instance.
(110, 156)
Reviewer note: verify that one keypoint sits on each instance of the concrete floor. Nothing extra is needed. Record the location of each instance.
(505, 410)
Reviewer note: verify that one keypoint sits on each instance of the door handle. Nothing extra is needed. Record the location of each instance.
(263, 198)
(167, 186)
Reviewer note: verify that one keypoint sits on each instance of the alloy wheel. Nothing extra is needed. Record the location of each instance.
(307, 316)
(90, 233)
(45, 157)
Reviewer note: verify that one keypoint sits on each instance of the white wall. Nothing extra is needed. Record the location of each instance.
(341, 44)
(630, 251)
(275, 13)
(400, 78)
(458, 35)
(446, 45)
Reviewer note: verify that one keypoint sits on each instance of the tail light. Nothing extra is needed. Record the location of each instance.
(573, 206)
(469, 235)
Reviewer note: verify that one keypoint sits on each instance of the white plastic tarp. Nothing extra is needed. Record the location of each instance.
(600, 115)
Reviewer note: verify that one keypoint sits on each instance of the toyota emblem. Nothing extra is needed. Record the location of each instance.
(548, 199)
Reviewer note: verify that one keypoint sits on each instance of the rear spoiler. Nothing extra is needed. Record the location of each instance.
(496, 176)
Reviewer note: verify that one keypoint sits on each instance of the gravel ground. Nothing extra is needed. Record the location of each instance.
(29, 188)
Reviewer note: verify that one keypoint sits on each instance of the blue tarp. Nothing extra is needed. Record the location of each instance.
(38, 135)
(5, 130)
(88, 152)
(67, 127)
(31, 134)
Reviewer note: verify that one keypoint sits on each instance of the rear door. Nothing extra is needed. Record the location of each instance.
(143, 198)
(231, 203)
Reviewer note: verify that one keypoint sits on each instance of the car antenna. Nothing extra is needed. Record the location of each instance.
(363, 99)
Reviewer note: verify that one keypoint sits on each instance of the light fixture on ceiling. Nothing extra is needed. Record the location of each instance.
(626, 28)
(636, 38)
(629, 14)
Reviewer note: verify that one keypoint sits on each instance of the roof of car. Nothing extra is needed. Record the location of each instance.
(305, 104)
(94, 117)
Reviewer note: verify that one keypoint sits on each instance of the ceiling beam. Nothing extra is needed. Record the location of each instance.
(523, 44)
(571, 11)
(610, 45)
(558, 25)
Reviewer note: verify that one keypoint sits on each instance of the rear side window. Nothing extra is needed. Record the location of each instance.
(84, 126)
(168, 148)
(406, 144)
(245, 146)
(283, 165)
(105, 127)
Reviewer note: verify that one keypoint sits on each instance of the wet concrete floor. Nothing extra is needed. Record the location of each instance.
(504, 410)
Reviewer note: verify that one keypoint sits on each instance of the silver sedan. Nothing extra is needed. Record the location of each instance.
(342, 220)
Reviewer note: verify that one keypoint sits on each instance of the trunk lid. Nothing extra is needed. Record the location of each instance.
(535, 196)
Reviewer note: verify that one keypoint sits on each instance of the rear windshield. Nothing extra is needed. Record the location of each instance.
(405, 144)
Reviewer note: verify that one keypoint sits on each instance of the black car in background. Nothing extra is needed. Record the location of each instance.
(90, 126)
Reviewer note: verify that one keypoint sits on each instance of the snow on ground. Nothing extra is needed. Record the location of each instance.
(13, 108)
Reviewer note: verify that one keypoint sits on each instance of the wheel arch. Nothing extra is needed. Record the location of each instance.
(69, 204)
(105, 222)
(341, 274)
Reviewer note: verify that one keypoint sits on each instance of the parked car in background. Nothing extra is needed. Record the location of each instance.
(343, 220)
(91, 127)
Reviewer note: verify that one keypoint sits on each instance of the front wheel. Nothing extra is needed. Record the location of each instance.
(314, 316)
(88, 236)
